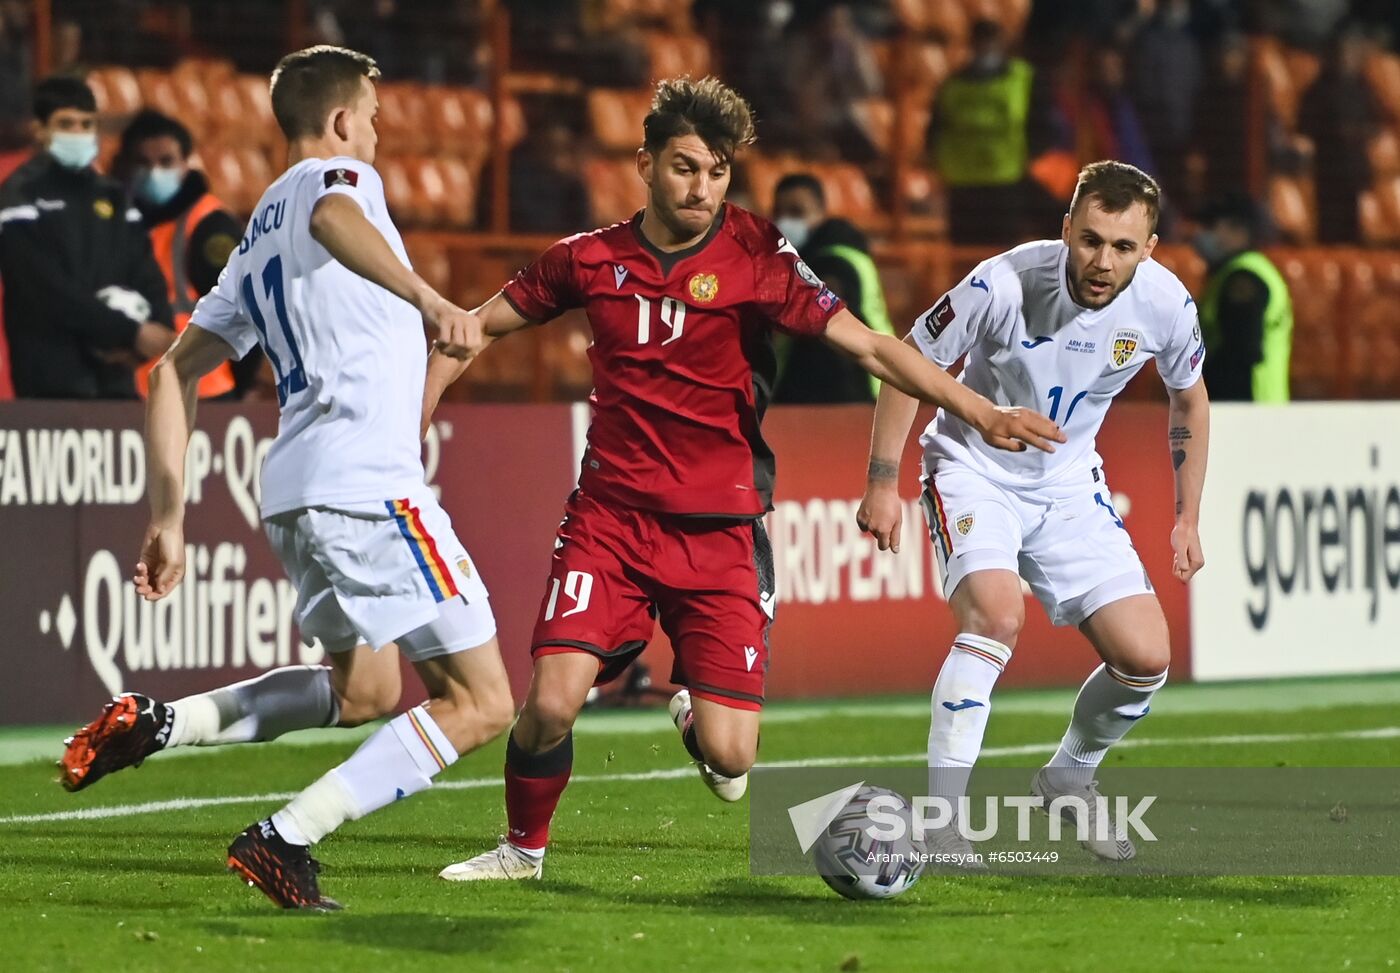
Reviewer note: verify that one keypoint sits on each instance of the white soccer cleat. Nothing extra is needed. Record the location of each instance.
(953, 850)
(728, 789)
(1115, 846)
(505, 861)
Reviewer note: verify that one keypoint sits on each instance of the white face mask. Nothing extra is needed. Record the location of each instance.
(796, 230)
(73, 150)
(159, 185)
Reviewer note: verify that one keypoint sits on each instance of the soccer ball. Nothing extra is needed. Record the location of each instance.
(859, 866)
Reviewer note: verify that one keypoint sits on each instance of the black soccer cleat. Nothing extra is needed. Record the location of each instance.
(285, 872)
(130, 729)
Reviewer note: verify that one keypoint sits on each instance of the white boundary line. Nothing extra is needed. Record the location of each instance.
(677, 773)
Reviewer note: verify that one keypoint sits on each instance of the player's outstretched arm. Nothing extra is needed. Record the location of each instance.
(1188, 432)
(339, 225)
(881, 511)
(899, 364)
(498, 319)
(170, 409)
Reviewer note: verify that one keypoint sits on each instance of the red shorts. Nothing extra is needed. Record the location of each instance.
(616, 570)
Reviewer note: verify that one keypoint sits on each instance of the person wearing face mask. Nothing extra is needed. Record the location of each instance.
(85, 301)
(839, 253)
(192, 233)
(1246, 310)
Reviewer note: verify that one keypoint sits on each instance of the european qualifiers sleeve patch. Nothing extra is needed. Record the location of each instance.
(342, 177)
(938, 319)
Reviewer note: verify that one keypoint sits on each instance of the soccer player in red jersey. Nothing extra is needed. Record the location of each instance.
(666, 522)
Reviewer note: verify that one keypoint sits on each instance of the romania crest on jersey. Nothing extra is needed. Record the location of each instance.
(1125, 346)
(964, 524)
(704, 288)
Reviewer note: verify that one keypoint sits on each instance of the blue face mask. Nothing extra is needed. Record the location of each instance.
(158, 186)
(73, 150)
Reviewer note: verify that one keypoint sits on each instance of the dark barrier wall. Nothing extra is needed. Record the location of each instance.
(850, 620)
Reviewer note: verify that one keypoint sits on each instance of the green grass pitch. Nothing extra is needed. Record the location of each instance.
(651, 874)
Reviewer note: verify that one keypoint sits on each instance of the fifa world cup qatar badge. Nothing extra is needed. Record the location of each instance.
(342, 177)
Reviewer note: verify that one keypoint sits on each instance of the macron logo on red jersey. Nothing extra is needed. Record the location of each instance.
(619, 275)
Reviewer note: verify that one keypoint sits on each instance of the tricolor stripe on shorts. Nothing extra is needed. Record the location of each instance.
(424, 548)
(940, 521)
(423, 735)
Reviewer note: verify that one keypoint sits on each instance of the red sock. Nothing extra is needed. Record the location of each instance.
(534, 783)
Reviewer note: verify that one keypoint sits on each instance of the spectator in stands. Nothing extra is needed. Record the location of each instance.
(1215, 162)
(1166, 78)
(547, 194)
(831, 67)
(1340, 113)
(192, 232)
(1246, 311)
(14, 75)
(809, 371)
(85, 301)
(979, 140)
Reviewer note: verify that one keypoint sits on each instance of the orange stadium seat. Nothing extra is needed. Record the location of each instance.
(256, 123)
(672, 55)
(1315, 282)
(403, 117)
(876, 119)
(1375, 230)
(1271, 69)
(616, 117)
(429, 259)
(224, 169)
(116, 90)
(1383, 72)
(615, 191)
(1295, 213)
(1375, 339)
(1383, 152)
(947, 20)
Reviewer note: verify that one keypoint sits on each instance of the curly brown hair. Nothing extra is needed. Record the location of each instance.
(708, 108)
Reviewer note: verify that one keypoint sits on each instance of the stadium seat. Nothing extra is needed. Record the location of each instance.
(398, 189)
(115, 89)
(224, 170)
(615, 191)
(616, 117)
(1383, 72)
(947, 20)
(1271, 70)
(672, 55)
(1291, 202)
(1383, 152)
(1375, 340)
(429, 259)
(403, 117)
(1315, 282)
(876, 119)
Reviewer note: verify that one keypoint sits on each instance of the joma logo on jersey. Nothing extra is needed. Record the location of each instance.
(1125, 346)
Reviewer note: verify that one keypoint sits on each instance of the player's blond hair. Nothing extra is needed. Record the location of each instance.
(708, 108)
(307, 84)
(1117, 186)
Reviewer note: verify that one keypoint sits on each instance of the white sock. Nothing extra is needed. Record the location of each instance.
(962, 700)
(264, 708)
(1108, 705)
(399, 759)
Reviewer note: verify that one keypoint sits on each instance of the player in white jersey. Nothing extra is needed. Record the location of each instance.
(1060, 326)
(321, 281)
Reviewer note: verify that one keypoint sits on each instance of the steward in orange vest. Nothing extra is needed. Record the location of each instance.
(192, 233)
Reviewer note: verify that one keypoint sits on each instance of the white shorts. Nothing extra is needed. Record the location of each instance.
(375, 573)
(1065, 540)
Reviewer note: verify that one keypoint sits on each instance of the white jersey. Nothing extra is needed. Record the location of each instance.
(350, 357)
(1029, 344)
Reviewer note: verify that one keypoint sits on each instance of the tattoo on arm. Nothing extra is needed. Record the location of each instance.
(1178, 436)
(882, 470)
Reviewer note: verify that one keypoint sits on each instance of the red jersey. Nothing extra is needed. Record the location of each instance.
(682, 355)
